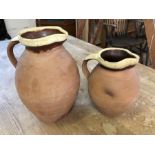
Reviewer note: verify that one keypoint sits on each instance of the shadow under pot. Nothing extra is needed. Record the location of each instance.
(47, 77)
(113, 84)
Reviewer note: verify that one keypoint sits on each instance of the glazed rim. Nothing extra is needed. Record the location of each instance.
(126, 62)
(43, 40)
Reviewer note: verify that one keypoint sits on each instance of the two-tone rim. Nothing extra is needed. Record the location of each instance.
(47, 40)
(124, 63)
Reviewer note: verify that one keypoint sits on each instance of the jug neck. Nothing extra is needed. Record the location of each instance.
(51, 47)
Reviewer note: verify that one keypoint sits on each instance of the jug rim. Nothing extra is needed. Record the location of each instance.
(124, 63)
(42, 41)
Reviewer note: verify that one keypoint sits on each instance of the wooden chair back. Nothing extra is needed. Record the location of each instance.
(116, 27)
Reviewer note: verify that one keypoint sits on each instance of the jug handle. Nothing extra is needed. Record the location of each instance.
(93, 56)
(10, 53)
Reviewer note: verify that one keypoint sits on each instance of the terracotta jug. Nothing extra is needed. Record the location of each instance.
(113, 84)
(47, 77)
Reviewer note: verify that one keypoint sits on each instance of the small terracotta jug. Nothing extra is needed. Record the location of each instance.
(47, 77)
(113, 84)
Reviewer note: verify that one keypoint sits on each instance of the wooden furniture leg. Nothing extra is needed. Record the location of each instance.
(80, 27)
(150, 35)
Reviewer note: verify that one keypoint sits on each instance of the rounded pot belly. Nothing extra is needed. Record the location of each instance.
(48, 89)
(114, 92)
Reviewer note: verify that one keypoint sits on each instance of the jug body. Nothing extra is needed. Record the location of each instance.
(47, 77)
(113, 84)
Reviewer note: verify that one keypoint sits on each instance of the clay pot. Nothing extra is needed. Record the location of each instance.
(47, 77)
(113, 84)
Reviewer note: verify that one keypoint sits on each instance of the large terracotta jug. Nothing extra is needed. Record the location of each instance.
(113, 84)
(47, 77)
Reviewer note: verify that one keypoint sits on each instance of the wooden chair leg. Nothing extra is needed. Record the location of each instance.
(147, 58)
(91, 30)
(104, 43)
(98, 30)
(80, 27)
(141, 54)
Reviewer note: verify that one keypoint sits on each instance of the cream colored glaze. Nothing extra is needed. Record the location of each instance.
(114, 65)
(47, 40)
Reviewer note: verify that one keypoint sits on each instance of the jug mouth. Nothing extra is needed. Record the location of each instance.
(41, 36)
(117, 58)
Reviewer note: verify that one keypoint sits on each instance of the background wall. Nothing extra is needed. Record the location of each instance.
(13, 26)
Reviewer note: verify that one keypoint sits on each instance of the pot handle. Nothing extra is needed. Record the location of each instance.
(85, 70)
(10, 53)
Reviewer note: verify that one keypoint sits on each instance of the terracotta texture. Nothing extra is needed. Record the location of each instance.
(47, 80)
(113, 90)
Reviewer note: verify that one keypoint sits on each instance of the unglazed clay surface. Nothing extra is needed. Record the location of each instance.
(47, 82)
(113, 89)
(47, 77)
